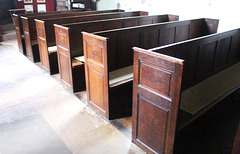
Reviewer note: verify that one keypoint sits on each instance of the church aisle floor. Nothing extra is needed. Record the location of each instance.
(38, 115)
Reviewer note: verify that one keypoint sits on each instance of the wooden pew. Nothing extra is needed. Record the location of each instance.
(71, 19)
(109, 58)
(19, 28)
(175, 84)
(30, 34)
(46, 35)
(72, 49)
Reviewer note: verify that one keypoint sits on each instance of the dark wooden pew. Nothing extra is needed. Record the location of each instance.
(30, 34)
(72, 76)
(109, 58)
(46, 35)
(71, 19)
(19, 28)
(175, 84)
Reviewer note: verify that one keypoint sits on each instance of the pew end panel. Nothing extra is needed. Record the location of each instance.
(155, 100)
(71, 71)
(75, 29)
(48, 53)
(48, 27)
(210, 73)
(32, 51)
(96, 75)
(32, 48)
(120, 42)
(19, 34)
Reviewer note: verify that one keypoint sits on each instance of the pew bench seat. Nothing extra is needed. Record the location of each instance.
(204, 95)
(121, 76)
(80, 58)
(52, 49)
(76, 63)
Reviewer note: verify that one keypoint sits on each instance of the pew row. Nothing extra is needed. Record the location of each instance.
(175, 84)
(71, 50)
(29, 29)
(19, 28)
(46, 35)
(110, 52)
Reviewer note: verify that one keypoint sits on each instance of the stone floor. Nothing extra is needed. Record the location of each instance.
(38, 115)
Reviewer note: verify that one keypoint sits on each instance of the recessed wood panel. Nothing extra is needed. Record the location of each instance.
(96, 88)
(150, 38)
(62, 39)
(126, 42)
(41, 31)
(222, 53)
(94, 53)
(64, 67)
(182, 33)
(131, 23)
(167, 36)
(155, 78)
(152, 125)
(234, 54)
(43, 54)
(205, 60)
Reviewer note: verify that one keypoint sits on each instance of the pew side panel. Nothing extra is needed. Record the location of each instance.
(236, 144)
(64, 56)
(48, 26)
(156, 96)
(31, 46)
(96, 74)
(19, 33)
(75, 29)
(33, 49)
(208, 61)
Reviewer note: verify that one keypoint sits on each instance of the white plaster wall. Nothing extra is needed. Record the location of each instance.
(227, 11)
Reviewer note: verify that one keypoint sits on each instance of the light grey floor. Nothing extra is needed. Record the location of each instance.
(38, 115)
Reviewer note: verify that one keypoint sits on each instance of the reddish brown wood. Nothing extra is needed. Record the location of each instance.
(18, 23)
(75, 47)
(156, 95)
(49, 38)
(119, 54)
(203, 57)
(29, 26)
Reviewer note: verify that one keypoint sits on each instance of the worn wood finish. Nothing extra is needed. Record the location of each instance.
(29, 25)
(18, 26)
(75, 47)
(48, 39)
(156, 88)
(203, 57)
(119, 48)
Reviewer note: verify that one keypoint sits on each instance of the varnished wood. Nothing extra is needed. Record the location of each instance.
(119, 53)
(69, 37)
(203, 57)
(18, 24)
(29, 24)
(46, 33)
